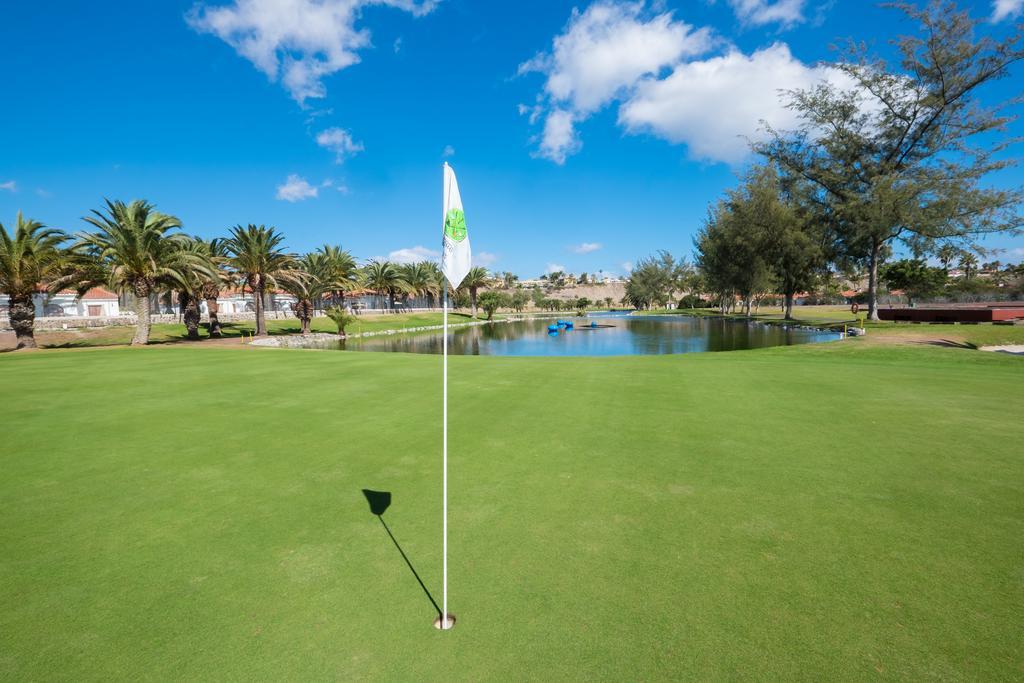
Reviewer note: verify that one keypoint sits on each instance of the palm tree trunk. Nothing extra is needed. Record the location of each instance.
(22, 313)
(472, 299)
(190, 313)
(257, 295)
(142, 325)
(212, 309)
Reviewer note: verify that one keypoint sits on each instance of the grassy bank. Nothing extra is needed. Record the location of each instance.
(822, 512)
(164, 333)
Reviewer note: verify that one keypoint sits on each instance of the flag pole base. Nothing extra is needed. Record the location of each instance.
(447, 625)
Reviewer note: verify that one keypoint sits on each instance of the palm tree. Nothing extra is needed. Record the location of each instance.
(256, 255)
(340, 274)
(136, 251)
(474, 280)
(216, 252)
(947, 254)
(310, 288)
(969, 264)
(384, 278)
(29, 259)
(421, 278)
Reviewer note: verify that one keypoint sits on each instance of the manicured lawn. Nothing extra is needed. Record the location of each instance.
(846, 511)
(173, 332)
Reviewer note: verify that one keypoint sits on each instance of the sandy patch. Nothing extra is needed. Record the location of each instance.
(1015, 349)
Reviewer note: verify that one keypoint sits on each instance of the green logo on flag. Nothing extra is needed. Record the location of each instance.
(455, 225)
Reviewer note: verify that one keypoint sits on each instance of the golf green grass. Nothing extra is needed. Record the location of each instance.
(829, 512)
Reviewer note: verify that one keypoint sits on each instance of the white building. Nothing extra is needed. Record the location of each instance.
(96, 303)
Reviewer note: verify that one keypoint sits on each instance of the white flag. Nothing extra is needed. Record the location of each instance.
(456, 257)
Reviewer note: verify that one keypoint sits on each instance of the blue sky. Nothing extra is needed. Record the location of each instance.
(584, 135)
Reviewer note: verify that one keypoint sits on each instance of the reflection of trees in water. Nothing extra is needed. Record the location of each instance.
(634, 335)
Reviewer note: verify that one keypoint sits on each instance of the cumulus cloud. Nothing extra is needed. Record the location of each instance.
(484, 258)
(603, 51)
(296, 42)
(1006, 9)
(448, 151)
(586, 247)
(340, 142)
(554, 268)
(761, 12)
(669, 79)
(10, 186)
(627, 267)
(714, 105)
(413, 255)
(295, 189)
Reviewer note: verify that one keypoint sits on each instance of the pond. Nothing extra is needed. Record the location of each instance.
(620, 335)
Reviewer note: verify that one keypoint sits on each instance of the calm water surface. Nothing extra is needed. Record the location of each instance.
(628, 335)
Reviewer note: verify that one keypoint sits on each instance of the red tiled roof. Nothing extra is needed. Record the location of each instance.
(98, 293)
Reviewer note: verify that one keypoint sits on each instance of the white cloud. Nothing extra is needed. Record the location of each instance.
(627, 267)
(398, 45)
(10, 186)
(761, 12)
(449, 151)
(1006, 9)
(603, 52)
(340, 142)
(413, 255)
(554, 268)
(299, 42)
(710, 105)
(654, 68)
(558, 140)
(295, 189)
(45, 194)
(484, 258)
(586, 247)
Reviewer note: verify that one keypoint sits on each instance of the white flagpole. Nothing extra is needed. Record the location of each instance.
(444, 590)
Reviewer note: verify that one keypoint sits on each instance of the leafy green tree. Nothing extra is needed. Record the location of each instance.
(255, 253)
(653, 281)
(492, 301)
(519, 300)
(136, 250)
(905, 154)
(30, 259)
(914, 277)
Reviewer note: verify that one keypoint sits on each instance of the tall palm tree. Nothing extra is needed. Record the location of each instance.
(216, 252)
(29, 259)
(421, 279)
(475, 279)
(969, 264)
(135, 250)
(340, 275)
(947, 254)
(316, 270)
(256, 254)
(384, 278)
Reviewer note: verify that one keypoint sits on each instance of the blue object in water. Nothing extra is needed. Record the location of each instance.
(554, 332)
(568, 324)
(593, 324)
(552, 328)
